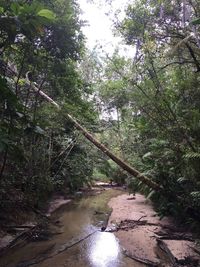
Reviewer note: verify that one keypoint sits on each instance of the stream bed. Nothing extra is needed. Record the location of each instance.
(75, 239)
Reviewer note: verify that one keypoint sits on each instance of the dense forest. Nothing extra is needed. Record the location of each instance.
(145, 109)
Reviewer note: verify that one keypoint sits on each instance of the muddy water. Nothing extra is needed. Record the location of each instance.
(76, 239)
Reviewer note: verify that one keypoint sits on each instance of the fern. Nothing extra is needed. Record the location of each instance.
(151, 194)
(192, 155)
(195, 195)
(182, 180)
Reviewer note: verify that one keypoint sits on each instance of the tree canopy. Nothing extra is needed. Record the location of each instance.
(39, 149)
(156, 96)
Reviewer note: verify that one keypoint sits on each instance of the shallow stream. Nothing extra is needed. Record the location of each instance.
(75, 239)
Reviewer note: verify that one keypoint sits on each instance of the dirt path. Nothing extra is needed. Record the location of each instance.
(148, 239)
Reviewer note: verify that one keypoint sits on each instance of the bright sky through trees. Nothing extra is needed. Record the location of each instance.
(99, 27)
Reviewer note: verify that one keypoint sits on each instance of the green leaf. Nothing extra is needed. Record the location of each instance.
(7, 94)
(182, 180)
(1, 10)
(2, 146)
(151, 194)
(192, 155)
(196, 21)
(22, 82)
(195, 195)
(15, 7)
(39, 130)
(48, 14)
(20, 115)
(147, 155)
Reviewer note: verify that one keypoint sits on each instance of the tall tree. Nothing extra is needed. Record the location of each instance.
(38, 150)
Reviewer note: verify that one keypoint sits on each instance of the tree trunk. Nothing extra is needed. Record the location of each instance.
(125, 166)
(117, 160)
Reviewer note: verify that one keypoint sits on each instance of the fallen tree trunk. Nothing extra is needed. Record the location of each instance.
(125, 166)
(194, 213)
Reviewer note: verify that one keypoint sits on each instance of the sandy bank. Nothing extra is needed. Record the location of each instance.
(142, 234)
(56, 203)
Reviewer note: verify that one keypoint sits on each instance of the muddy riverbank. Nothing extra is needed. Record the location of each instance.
(73, 238)
(148, 239)
(72, 235)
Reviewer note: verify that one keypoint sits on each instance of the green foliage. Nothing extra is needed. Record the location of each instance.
(155, 102)
(48, 14)
(196, 21)
(39, 149)
(192, 155)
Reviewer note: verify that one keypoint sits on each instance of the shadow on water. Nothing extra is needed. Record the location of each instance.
(76, 240)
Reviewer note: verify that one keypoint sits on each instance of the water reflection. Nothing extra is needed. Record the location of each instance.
(76, 221)
(104, 250)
